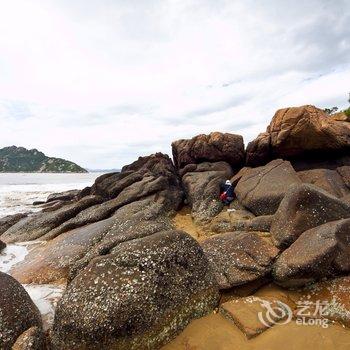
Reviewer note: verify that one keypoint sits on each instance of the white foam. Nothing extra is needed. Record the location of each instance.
(44, 296)
(12, 255)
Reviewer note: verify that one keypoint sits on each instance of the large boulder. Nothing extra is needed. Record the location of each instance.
(323, 251)
(329, 180)
(202, 188)
(139, 296)
(258, 151)
(214, 147)
(17, 311)
(298, 132)
(239, 257)
(305, 206)
(261, 189)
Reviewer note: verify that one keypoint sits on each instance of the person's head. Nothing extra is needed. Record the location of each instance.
(228, 182)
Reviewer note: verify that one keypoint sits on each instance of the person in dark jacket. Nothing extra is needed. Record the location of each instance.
(226, 192)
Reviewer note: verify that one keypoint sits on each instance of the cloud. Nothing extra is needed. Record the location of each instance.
(101, 82)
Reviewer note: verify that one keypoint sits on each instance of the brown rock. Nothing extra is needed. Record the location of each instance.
(344, 172)
(329, 180)
(214, 147)
(31, 339)
(239, 257)
(336, 293)
(259, 150)
(305, 206)
(244, 313)
(230, 220)
(320, 252)
(237, 177)
(262, 189)
(340, 116)
(140, 295)
(18, 312)
(297, 130)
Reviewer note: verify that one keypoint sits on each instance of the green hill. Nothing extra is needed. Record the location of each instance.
(20, 159)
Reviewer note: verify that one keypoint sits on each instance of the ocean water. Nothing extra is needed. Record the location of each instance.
(19, 190)
(17, 193)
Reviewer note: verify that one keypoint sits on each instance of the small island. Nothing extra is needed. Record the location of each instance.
(19, 159)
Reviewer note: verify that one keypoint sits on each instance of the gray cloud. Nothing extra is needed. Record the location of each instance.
(104, 81)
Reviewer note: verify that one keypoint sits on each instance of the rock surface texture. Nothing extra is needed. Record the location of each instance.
(304, 207)
(214, 147)
(262, 189)
(300, 132)
(323, 251)
(139, 296)
(17, 311)
(239, 257)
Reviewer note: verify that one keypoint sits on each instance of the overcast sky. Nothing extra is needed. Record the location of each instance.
(101, 82)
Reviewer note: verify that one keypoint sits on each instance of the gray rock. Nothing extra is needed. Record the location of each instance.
(239, 257)
(328, 180)
(262, 189)
(202, 188)
(323, 251)
(9, 220)
(17, 311)
(140, 295)
(304, 207)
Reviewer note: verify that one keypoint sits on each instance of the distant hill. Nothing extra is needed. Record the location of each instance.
(19, 159)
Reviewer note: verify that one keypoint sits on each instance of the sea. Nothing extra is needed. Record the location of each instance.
(18, 191)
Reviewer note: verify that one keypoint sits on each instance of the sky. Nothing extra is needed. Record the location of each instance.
(102, 82)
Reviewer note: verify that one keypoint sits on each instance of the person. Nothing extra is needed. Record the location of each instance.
(226, 192)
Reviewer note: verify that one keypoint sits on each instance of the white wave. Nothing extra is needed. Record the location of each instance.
(18, 191)
(44, 296)
(12, 255)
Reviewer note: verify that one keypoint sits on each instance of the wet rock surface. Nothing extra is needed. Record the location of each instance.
(140, 295)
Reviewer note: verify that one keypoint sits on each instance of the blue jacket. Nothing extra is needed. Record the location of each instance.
(228, 189)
